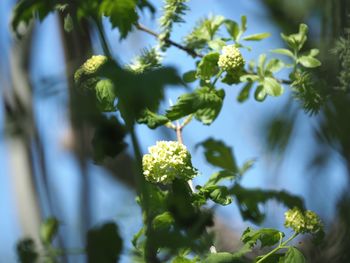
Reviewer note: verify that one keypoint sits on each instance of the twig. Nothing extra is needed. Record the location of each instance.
(169, 41)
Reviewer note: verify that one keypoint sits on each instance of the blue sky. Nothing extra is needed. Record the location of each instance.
(239, 125)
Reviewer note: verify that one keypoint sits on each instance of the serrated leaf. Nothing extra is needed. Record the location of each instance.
(105, 94)
(257, 37)
(272, 87)
(204, 102)
(267, 237)
(189, 76)
(309, 62)
(151, 119)
(208, 66)
(283, 51)
(244, 94)
(232, 28)
(122, 14)
(293, 255)
(218, 154)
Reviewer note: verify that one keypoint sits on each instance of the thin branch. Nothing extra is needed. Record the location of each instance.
(189, 51)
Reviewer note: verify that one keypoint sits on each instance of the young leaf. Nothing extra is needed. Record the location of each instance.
(151, 119)
(260, 93)
(293, 255)
(267, 237)
(249, 78)
(219, 176)
(309, 62)
(243, 23)
(218, 154)
(205, 102)
(274, 65)
(48, 230)
(257, 37)
(223, 257)
(189, 76)
(272, 87)
(244, 94)
(208, 66)
(219, 194)
(164, 220)
(232, 28)
(121, 13)
(283, 51)
(105, 95)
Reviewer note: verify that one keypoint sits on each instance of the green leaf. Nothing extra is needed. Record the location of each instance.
(232, 28)
(216, 44)
(27, 251)
(68, 23)
(249, 78)
(260, 93)
(164, 220)
(181, 259)
(208, 66)
(223, 257)
(218, 154)
(293, 255)
(246, 166)
(283, 51)
(152, 120)
(219, 176)
(272, 87)
(104, 243)
(105, 94)
(244, 94)
(267, 237)
(243, 23)
(189, 76)
(219, 194)
(313, 52)
(48, 230)
(274, 65)
(261, 65)
(26, 10)
(108, 139)
(122, 14)
(309, 62)
(257, 37)
(204, 102)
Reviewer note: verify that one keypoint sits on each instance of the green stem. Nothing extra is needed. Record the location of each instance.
(280, 246)
(218, 76)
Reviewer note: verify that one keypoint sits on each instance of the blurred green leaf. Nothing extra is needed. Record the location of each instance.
(283, 51)
(222, 257)
(26, 251)
(48, 230)
(257, 37)
(152, 120)
(260, 93)
(272, 87)
(218, 194)
(208, 66)
(274, 65)
(204, 102)
(218, 154)
(68, 23)
(267, 237)
(222, 175)
(189, 76)
(232, 28)
(122, 14)
(104, 244)
(309, 62)
(164, 220)
(105, 94)
(293, 255)
(245, 92)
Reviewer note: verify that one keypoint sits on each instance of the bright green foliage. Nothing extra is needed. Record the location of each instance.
(173, 10)
(48, 230)
(303, 221)
(121, 13)
(223, 257)
(149, 59)
(152, 120)
(293, 255)
(267, 237)
(205, 103)
(105, 94)
(207, 67)
(166, 161)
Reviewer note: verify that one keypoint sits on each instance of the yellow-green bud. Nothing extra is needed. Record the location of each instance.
(166, 161)
(231, 59)
(83, 75)
(302, 222)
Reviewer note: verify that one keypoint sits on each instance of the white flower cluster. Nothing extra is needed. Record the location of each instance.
(302, 222)
(82, 75)
(166, 161)
(231, 59)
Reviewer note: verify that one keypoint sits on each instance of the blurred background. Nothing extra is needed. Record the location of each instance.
(46, 167)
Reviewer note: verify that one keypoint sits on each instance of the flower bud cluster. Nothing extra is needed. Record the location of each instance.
(302, 222)
(166, 161)
(231, 59)
(83, 75)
